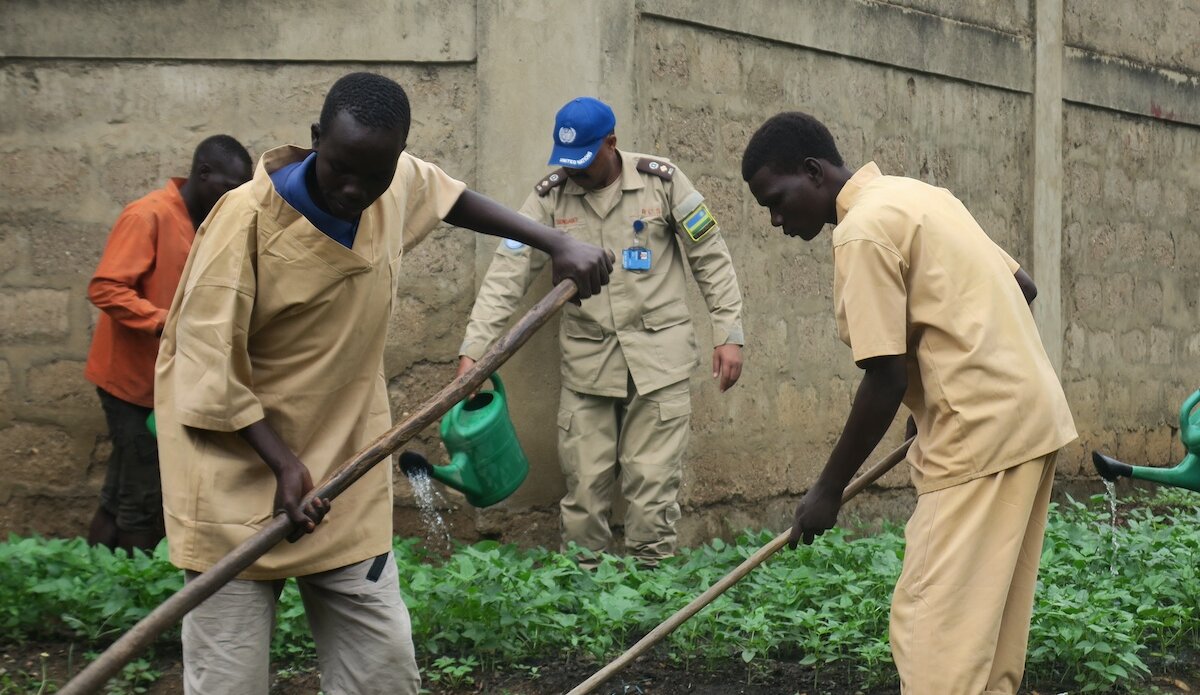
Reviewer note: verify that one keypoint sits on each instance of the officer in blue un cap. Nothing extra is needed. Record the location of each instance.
(579, 131)
(624, 412)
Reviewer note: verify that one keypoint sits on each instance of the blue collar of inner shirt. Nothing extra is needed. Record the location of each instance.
(291, 183)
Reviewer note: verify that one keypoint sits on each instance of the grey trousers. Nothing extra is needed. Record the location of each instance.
(357, 617)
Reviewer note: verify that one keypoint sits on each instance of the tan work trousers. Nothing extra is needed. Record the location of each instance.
(961, 609)
(357, 617)
(640, 438)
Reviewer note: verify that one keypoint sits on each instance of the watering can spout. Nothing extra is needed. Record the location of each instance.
(1185, 475)
(1110, 468)
(415, 465)
(452, 473)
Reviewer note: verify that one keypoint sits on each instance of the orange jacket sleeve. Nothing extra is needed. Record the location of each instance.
(115, 288)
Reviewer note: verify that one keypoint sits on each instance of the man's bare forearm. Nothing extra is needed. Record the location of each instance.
(270, 447)
(479, 213)
(875, 405)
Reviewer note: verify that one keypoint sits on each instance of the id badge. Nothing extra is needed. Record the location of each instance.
(636, 258)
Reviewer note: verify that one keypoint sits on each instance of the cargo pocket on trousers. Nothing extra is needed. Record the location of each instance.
(669, 410)
(565, 461)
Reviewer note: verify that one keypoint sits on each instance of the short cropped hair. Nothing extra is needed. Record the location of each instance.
(784, 141)
(373, 100)
(220, 148)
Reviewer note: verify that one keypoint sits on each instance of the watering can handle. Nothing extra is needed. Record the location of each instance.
(498, 386)
(1189, 427)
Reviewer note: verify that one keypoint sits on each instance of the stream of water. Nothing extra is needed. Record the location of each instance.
(429, 500)
(1111, 489)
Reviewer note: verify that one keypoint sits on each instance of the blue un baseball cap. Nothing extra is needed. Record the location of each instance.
(579, 129)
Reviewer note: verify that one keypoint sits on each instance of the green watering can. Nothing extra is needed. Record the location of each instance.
(1185, 475)
(151, 425)
(486, 460)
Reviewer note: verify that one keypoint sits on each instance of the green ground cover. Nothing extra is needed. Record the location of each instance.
(1113, 606)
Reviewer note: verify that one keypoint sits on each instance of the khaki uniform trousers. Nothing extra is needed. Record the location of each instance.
(357, 617)
(961, 609)
(641, 438)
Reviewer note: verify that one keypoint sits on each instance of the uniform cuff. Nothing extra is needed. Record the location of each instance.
(472, 349)
(220, 424)
(726, 337)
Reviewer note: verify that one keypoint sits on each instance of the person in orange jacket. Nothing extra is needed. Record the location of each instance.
(133, 286)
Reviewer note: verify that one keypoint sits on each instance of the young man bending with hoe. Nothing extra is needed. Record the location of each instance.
(271, 374)
(936, 316)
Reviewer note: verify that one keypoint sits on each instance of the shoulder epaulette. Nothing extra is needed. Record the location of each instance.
(554, 179)
(660, 168)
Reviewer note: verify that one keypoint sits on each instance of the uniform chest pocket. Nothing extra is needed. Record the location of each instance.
(578, 230)
(672, 314)
(581, 330)
(656, 227)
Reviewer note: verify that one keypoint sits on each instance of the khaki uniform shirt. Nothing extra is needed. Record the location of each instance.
(915, 275)
(639, 323)
(273, 319)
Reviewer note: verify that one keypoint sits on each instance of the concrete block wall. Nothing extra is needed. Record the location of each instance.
(1132, 273)
(95, 115)
(767, 437)
(1071, 135)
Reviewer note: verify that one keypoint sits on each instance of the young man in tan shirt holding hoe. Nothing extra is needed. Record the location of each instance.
(936, 315)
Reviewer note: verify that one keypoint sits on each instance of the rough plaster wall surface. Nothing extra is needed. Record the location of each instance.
(770, 435)
(1163, 33)
(1131, 275)
(1010, 16)
(78, 140)
(308, 30)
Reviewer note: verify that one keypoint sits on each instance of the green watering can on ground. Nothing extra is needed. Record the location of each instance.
(1185, 475)
(487, 463)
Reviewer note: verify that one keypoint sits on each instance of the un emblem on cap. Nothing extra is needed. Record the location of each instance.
(566, 135)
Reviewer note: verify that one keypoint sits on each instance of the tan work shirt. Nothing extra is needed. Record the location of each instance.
(639, 323)
(273, 319)
(915, 275)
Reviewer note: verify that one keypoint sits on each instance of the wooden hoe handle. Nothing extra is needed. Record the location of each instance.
(683, 614)
(141, 635)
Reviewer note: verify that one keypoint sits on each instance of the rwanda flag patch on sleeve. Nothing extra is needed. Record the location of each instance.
(698, 223)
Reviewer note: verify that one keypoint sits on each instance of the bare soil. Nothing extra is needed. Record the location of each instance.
(30, 669)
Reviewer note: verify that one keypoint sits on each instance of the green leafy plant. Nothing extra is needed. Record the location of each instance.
(135, 679)
(1113, 603)
(451, 671)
